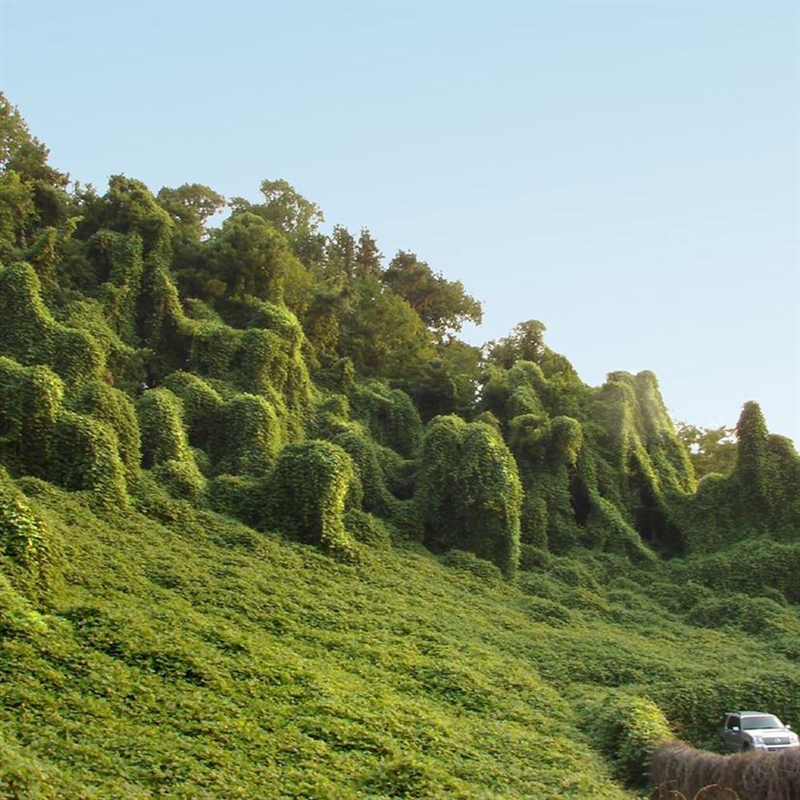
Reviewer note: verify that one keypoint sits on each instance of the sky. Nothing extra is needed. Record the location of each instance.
(627, 173)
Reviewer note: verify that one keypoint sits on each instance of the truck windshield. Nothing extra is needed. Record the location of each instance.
(763, 721)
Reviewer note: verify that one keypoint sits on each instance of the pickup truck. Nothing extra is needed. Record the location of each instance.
(742, 731)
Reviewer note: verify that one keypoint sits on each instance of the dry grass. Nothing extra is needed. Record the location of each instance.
(681, 771)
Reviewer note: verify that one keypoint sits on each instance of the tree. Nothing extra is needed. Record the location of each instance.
(380, 332)
(524, 343)
(252, 258)
(23, 153)
(368, 257)
(442, 305)
(449, 383)
(32, 193)
(128, 207)
(190, 207)
(293, 215)
(340, 254)
(287, 209)
(710, 449)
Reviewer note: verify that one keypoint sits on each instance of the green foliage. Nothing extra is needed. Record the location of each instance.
(34, 208)
(86, 456)
(378, 470)
(442, 305)
(758, 498)
(194, 652)
(389, 415)
(246, 436)
(251, 257)
(190, 206)
(258, 662)
(30, 335)
(30, 402)
(627, 729)
(124, 364)
(117, 410)
(17, 213)
(469, 493)
(381, 333)
(524, 343)
(369, 530)
(470, 563)
(27, 543)
(547, 453)
(165, 445)
(161, 424)
(755, 614)
(129, 207)
(200, 404)
(119, 269)
(710, 449)
(42, 438)
(769, 565)
(308, 493)
(447, 384)
(373, 492)
(641, 466)
(239, 496)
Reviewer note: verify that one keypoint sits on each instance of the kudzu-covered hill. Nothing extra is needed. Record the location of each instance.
(266, 370)
(290, 379)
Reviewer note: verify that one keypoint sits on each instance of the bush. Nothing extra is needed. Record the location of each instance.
(239, 496)
(245, 437)
(390, 416)
(627, 729)
(116, 409)
(27, 543)
(30, 335)
(469, 562)
(469, 494)
(86, 456)
(307, 494)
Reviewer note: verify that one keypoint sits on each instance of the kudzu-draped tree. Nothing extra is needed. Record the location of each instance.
(469, 494)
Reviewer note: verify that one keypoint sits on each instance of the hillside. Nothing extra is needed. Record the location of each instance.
(268, 528)
(202, 659)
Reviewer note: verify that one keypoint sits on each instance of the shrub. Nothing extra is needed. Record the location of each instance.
(30, 402)
(389, 415)
(86, 456)
(368, 529)
(245, 436)
(469, 562)
(469, 493)
(165, 446)
(27, 542)
(30, 335)
(627, 729)
(239, 496)
(308, 490)
(200, 403)
(113, 407)
(120, 266)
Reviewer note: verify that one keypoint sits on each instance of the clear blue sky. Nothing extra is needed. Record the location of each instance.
(628, 173)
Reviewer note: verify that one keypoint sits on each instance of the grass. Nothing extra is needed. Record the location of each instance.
(201, 659)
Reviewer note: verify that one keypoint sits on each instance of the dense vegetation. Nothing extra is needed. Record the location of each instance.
(269, 528)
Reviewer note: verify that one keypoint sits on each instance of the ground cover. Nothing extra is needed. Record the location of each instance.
(196, 657)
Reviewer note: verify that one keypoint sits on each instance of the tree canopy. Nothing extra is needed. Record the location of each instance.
(265, 332)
